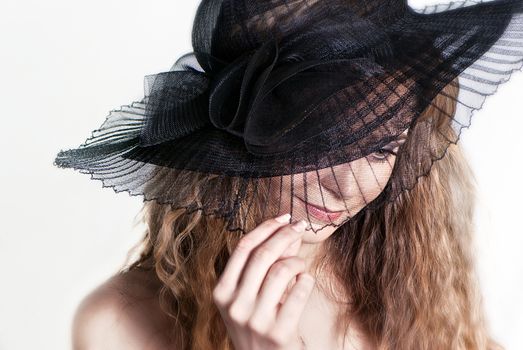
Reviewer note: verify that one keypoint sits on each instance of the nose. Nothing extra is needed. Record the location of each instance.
(339, 181)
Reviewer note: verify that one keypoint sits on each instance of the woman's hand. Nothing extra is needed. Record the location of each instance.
(250, 289)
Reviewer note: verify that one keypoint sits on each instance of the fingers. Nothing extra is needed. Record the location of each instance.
(249, 291)
(293, 249)
(289, 314)
(259, 263)
(224, 289)
(274, 285)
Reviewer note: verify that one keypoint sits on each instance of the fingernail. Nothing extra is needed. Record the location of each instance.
(299, 226)
(283, 218)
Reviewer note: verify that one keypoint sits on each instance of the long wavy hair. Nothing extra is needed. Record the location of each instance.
(406, 271)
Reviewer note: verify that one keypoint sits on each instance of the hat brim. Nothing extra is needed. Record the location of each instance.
(481, 45)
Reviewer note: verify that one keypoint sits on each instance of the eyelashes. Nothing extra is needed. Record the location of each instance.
(382, 155)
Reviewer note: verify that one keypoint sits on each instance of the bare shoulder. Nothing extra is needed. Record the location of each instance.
(123, 313)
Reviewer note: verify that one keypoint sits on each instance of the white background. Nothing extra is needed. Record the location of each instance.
(64, 65)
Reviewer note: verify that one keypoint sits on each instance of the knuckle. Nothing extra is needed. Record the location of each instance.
(262, 254)
(245, 244)
(237, 314)
(287, 266)
(280, 269)
(277, 338)
(255, 326)
(218, 296)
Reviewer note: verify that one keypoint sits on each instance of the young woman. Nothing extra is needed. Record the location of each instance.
(289, 127)
(401, 277)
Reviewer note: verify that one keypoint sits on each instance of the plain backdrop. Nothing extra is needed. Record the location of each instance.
(64, 65)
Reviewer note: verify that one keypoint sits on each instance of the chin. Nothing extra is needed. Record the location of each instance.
(316, 237)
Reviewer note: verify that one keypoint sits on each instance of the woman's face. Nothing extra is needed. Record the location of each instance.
(343, 190)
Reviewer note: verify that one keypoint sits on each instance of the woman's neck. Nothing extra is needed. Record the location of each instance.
(310, 252)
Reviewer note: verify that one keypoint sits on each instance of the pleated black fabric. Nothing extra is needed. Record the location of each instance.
(313, 107)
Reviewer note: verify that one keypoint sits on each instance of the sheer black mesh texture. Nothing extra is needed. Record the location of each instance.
(305, 106)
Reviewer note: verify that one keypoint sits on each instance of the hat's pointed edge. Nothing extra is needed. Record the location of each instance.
(479, 79)
(118, 135)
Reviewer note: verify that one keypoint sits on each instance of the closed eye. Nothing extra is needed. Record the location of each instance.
(386, 152)
(383, 154)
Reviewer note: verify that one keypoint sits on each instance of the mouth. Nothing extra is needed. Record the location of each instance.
(320, 213)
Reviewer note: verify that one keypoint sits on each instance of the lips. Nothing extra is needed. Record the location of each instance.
(320, 213)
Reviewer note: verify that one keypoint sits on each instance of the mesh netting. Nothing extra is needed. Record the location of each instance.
(323, 109)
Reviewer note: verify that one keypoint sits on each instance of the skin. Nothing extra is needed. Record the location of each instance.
(357, 182)
(253, 282)
(266, 285)
(266, 295)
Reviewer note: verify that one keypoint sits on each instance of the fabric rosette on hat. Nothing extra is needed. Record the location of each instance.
(324, 109)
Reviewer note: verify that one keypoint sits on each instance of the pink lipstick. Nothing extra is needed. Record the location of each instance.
(321, 214)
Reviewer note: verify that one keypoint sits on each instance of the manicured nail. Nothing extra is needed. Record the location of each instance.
(299, 226)
(283, 218)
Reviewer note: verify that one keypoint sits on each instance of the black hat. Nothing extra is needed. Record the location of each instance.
(313, 107)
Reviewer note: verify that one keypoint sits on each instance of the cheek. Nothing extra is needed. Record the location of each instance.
(361, 181)
(366, 181)
(279, 195)
(372, 177)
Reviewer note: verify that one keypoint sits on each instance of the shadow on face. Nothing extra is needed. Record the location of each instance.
(334, 194)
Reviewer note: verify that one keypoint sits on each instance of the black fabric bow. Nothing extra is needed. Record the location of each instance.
(228, 97)
(237, 88)
(176, 106)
